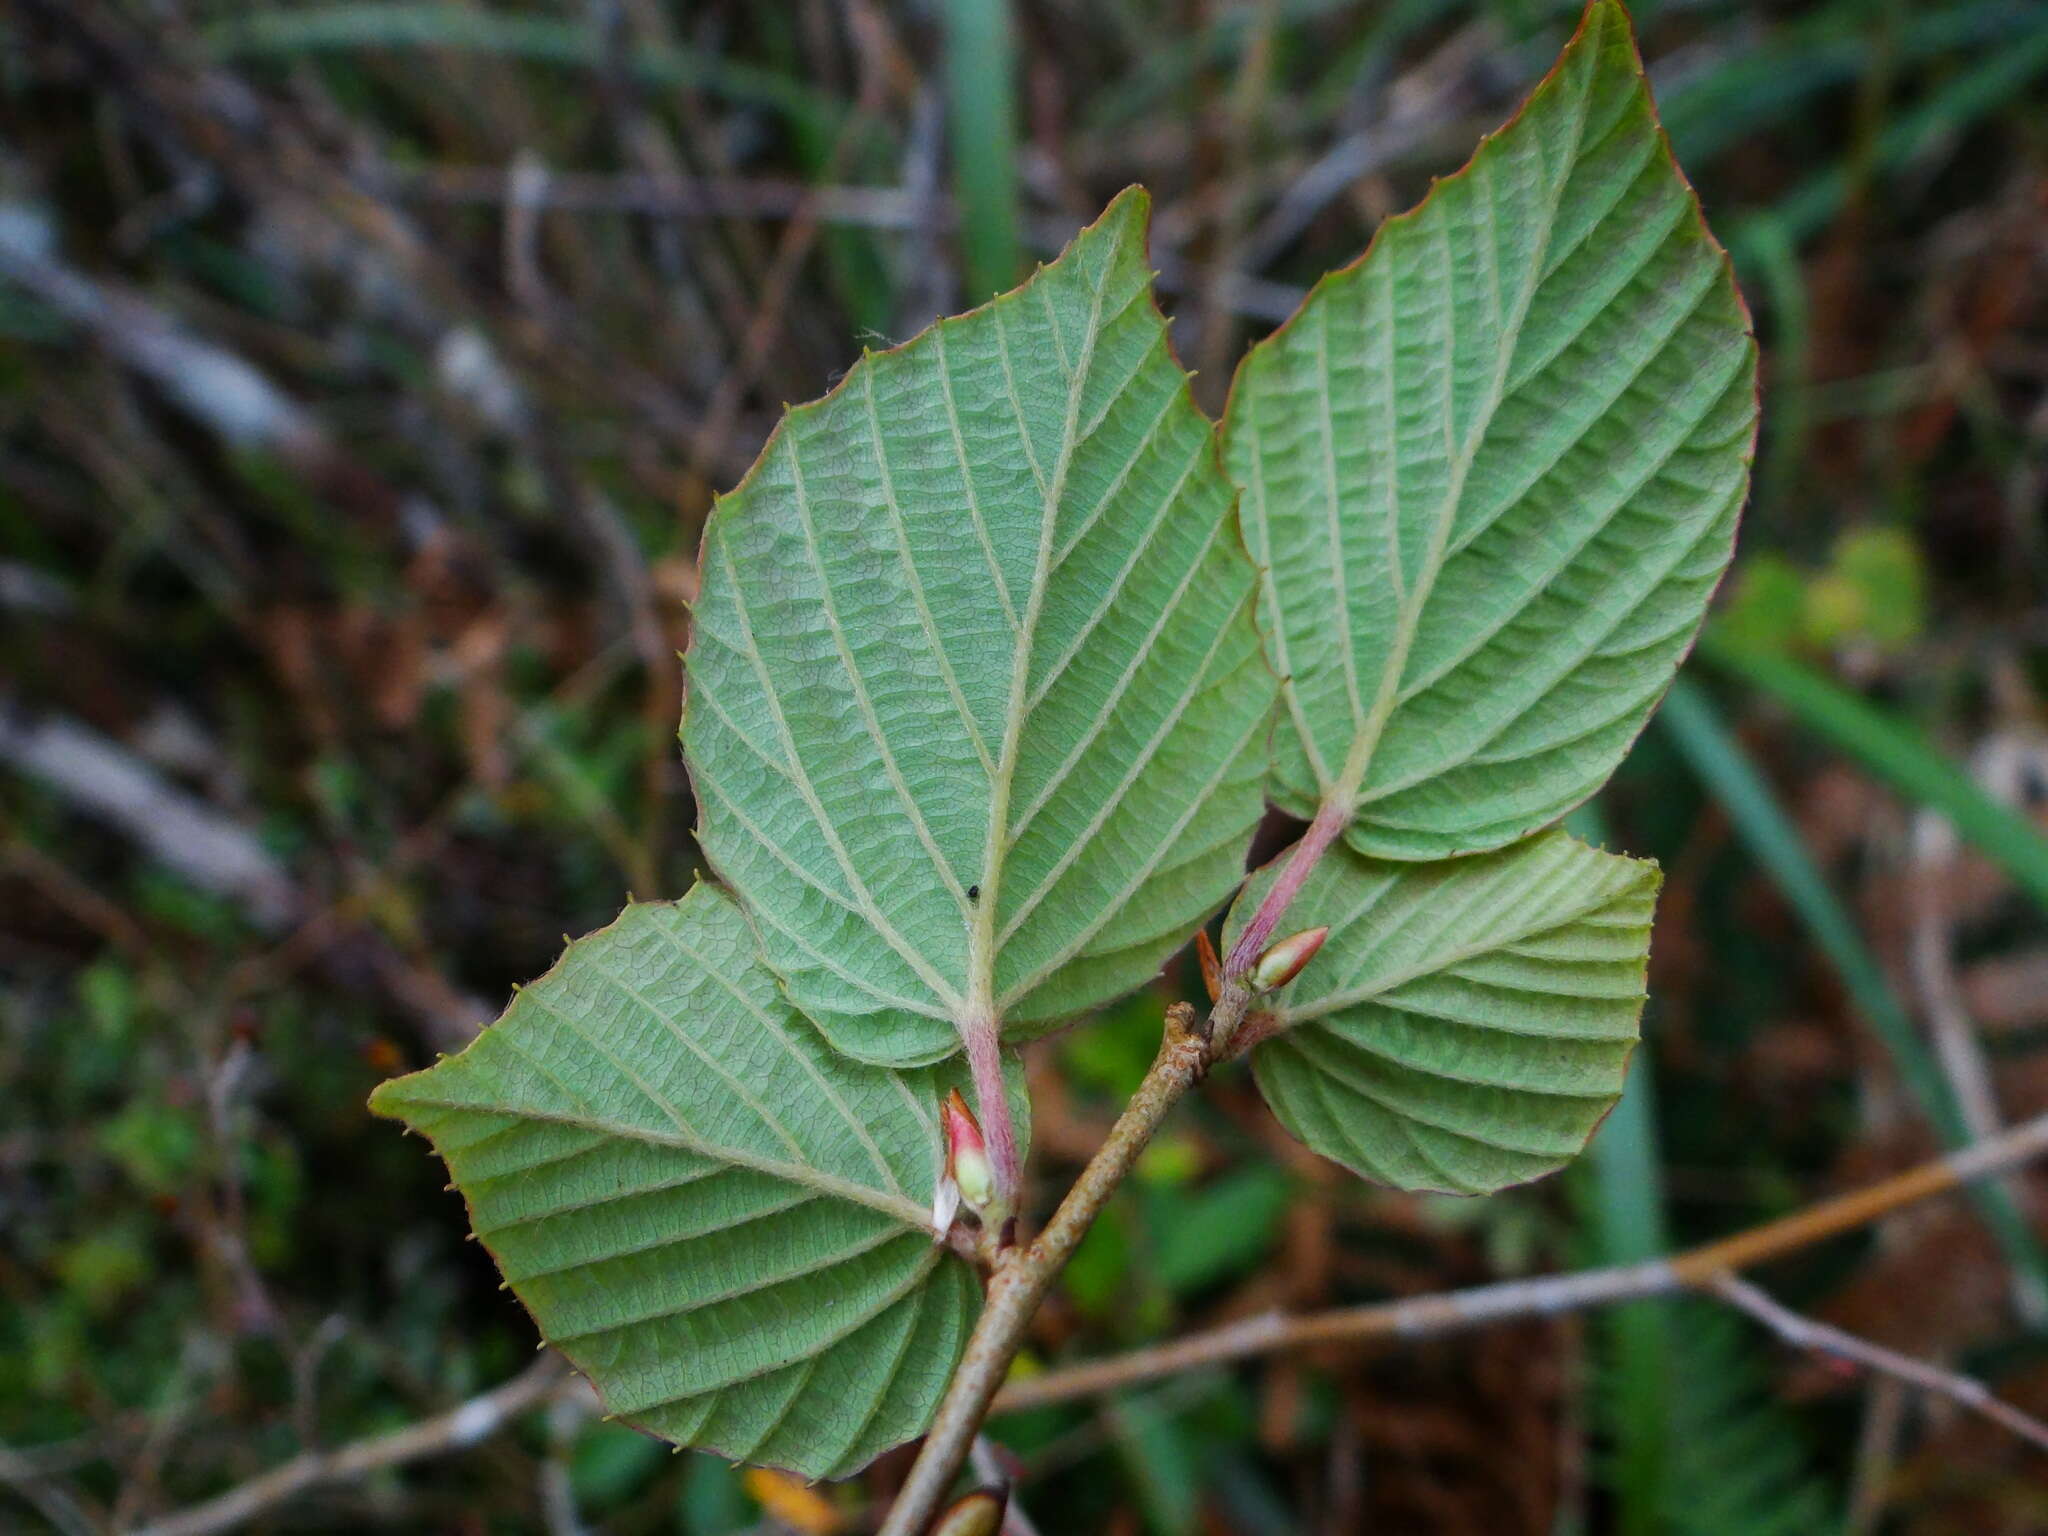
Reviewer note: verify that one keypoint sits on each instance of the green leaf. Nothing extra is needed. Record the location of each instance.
(721, 1222)
(1216, 1233)
(975, 698)
(1874, 590)
(1493, 472)
(1467, 1023)
(1766, 601)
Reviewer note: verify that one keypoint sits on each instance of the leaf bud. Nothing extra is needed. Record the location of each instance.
(979, 1514)
(1283, 962)
(967, 1155)
(1212, 968)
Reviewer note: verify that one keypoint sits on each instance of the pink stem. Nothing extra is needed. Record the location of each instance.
(1258, 933)
(992, 1106)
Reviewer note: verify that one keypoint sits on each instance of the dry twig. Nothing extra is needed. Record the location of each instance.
(459, 1428)
(110, 783)
(1547, 1296)
(1823, 1338)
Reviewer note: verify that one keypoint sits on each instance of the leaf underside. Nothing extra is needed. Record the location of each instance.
(976, 720)
(1467, 1023)
(1492, 473)
(975, 699)
(716, 1218)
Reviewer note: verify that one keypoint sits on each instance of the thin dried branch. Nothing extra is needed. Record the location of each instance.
(19, 1471)
(1454, 1311)
(1824, 1338)
(101, 778)
(1190, 1048)
(912, 209)
(458, 1429)
(778, 283)
(111, 784)
(1958, 1050)
(210, 385)
(213, 386)
(1430, 97)
(674, 196)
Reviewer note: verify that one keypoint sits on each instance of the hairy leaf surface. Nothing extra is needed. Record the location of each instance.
(1492, 472)
(1467, 1023)
(722, 1222)
(975, 697)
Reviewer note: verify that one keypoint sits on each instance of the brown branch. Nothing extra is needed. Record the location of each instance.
(459, 1428)
(908, 208)
(103, 779)
(1453, 1311)
(19, 1471)
(1958, 1048)
(1823, 1338)
(1025, 1275)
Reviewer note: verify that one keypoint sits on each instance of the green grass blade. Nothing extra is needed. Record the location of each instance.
(1706, 744)
(538, 39)
(1896, 753)
(981, 75)
(1625, 1175)
(1621, 1182)
(1976, 92)
(1750, 90)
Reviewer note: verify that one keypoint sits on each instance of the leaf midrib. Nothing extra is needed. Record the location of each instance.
(1358, 761)
(904, 1210)
(911, 1285)
(775, 1031)
(857, 888)
(978, 1010)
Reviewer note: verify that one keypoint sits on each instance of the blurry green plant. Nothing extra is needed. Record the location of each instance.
(1871, 592)
(1001, 652)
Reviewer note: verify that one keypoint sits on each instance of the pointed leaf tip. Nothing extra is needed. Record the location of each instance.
(993, 575)
(1474, 621)
(651, 1133)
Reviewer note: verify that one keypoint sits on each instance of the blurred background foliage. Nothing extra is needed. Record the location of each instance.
(366, 370)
